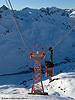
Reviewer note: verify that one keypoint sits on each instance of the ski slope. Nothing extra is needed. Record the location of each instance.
(61, 89)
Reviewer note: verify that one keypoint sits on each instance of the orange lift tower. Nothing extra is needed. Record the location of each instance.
(37, 87)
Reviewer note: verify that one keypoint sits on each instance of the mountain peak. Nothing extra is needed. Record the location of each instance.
(4, 7)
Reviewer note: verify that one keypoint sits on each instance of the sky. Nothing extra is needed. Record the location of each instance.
(37, 4)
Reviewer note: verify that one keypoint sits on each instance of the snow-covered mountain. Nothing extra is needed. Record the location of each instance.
(44, 26)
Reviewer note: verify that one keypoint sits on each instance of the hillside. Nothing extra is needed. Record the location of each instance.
(44, 26)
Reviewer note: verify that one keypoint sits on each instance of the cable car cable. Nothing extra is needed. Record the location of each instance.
(17, 24)
(18, 27)
(64, 35)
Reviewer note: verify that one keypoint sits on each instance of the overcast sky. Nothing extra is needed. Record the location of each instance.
(19, 4)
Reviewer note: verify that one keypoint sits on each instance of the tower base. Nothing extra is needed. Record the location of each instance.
(45, 93)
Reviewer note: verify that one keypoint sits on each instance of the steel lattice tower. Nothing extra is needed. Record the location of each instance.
(37, 87)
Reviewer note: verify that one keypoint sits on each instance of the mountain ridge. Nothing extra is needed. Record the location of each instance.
(45, 26)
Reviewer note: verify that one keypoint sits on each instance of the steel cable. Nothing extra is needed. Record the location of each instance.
(64, 35)
(17, 24)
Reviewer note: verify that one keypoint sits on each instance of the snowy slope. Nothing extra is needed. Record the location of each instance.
(61, 89)
(44, 26)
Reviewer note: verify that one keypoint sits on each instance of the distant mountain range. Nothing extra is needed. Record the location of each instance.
(44, 26)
